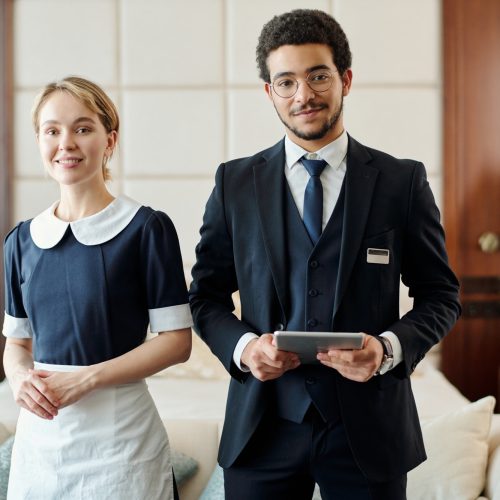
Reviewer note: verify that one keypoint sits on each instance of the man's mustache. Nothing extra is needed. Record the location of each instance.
(308, 107)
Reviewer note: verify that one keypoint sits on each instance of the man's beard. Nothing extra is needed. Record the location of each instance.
(319, 134)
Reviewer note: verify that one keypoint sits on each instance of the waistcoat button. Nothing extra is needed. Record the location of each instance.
(313, 264)
(312, 322)
(313, 292)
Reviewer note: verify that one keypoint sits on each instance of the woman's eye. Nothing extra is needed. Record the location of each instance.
(50, 132)
(83, 130)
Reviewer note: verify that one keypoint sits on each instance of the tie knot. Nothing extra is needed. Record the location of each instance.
(314, 167)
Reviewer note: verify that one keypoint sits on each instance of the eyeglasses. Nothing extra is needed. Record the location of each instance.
(318, 81)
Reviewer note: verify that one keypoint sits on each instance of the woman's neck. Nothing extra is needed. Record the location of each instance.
(78, 203)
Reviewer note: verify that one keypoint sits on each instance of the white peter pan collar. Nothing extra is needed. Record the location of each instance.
(47, 230)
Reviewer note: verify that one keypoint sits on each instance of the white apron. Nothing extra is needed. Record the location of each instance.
(109, 445)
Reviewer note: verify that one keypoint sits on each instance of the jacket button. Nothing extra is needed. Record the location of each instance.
(312, 322)
(310, 380)
(313, 264)
(313, 292)
(278, 327)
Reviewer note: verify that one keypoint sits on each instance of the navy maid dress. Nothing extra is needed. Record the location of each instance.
(86, 291)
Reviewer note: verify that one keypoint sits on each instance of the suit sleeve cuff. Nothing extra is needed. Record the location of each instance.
(397, 351)
(240, 347)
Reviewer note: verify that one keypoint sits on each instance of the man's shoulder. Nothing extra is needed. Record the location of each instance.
(387, 165)
(378, 157)
(259, 157)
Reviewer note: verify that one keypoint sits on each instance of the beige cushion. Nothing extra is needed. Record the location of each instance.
(4, 433)
(457, 450)
(199, 440)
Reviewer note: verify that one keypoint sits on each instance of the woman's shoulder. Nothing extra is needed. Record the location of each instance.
(151, 217)
(19, 231)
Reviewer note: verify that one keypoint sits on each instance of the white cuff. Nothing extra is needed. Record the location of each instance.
(397, 351)
(165, 319)
(18, 328)
(240, 347)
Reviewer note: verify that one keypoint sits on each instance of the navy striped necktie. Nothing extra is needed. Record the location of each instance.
(313, 198)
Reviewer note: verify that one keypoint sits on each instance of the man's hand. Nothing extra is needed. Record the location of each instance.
(358, 365)
(265, 361)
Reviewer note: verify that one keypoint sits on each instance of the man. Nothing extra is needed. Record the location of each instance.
(349, 421)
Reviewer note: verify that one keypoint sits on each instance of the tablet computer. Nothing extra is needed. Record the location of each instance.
(308, 344)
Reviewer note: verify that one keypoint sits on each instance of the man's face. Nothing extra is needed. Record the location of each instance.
(313, 118)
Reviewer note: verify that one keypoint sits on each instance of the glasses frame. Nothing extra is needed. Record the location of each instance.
(306, 80)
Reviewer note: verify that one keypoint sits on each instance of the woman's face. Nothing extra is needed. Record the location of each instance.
(72, 140)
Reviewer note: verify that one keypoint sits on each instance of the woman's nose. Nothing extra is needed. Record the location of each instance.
(66, 141)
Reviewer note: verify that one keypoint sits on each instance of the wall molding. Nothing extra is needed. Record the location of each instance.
(6, 135)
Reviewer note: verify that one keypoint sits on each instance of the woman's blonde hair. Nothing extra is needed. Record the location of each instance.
(91, 95)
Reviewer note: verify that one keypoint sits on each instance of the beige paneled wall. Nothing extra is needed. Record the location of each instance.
(183, 75)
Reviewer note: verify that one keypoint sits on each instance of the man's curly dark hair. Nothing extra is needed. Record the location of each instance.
(299, 27)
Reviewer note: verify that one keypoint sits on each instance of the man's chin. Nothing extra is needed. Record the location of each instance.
(310, 134)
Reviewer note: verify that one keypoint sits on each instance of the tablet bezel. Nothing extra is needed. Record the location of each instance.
(308, 344)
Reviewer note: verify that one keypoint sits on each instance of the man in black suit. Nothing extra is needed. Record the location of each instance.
(319, 242)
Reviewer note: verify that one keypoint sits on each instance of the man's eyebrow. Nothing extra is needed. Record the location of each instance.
(308, 70)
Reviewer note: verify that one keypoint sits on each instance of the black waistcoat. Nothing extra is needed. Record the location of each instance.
(312, 282)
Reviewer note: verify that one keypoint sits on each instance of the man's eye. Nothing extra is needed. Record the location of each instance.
(50, 132)
(319, 77)
(284, 83)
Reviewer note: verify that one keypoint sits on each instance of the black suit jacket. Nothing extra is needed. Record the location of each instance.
(388, 204)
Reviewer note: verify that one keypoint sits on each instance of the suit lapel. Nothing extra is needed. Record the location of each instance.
(360, 182)
(270, 186)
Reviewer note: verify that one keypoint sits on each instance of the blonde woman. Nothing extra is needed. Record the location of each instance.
(83, 281)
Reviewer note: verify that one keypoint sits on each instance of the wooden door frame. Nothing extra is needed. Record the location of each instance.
(459, 351)
(453, 155)
(6, 136)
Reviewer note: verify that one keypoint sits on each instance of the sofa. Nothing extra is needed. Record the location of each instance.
(462, 438)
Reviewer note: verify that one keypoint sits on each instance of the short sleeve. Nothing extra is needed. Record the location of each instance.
(163, 272)
(16, 323)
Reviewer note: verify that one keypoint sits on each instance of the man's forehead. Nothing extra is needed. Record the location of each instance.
(300, 58)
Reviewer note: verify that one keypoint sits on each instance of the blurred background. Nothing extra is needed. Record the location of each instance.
(184, 77)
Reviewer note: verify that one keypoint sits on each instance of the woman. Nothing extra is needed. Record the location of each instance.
(84, 279)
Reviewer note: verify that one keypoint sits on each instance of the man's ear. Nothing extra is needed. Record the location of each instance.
(269, 90)
(346, 82)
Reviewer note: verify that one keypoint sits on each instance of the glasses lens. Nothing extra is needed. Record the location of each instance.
(285, 87)
(320, 80)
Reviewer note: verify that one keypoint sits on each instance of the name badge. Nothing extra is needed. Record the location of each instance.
(377, 256)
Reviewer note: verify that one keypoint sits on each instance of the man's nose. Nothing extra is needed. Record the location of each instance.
(304, 92)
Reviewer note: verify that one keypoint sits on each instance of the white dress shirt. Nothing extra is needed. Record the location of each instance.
(335, 155)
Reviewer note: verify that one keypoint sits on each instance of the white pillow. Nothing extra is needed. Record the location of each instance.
(457, 454)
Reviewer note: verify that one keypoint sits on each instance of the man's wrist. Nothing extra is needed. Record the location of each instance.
(387, 357)
(240, 347)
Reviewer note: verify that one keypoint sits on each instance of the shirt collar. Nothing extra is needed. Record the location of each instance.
(47, 230)
(333, 153)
